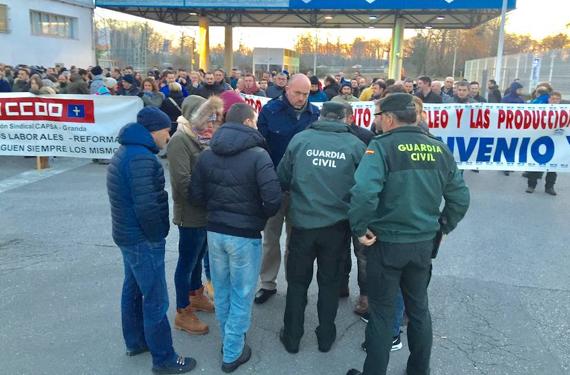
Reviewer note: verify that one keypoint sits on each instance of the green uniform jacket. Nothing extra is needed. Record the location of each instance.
(318, 169)
(399, 186)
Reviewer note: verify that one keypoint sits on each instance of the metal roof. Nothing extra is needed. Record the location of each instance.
(331, 14)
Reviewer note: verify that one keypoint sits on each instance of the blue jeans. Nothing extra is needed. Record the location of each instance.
(234, 264)
(144, 301)
(192, 246)
(207, 266)
(399, 313)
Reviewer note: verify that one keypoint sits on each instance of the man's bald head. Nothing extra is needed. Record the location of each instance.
(298, 89)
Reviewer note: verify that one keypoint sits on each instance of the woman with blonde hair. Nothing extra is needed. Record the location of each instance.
(422, 119)
(199, 120)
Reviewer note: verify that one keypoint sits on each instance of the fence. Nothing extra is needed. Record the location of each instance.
(551, 66)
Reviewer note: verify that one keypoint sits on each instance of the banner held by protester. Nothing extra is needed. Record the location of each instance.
(67, 125)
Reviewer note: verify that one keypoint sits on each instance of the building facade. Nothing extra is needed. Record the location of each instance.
(47, 32)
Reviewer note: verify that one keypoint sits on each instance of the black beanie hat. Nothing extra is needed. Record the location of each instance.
(153, 119)
(314, 80)
(96, 70)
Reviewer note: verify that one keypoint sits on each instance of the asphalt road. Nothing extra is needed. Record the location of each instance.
(499, 295)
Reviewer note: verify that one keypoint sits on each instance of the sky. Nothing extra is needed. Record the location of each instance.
(538, 18)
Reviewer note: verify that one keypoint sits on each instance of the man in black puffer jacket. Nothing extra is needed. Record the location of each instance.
(236, 181)
(139, 210)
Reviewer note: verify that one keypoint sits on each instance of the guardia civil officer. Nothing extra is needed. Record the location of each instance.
(395, 209)
(318, 170)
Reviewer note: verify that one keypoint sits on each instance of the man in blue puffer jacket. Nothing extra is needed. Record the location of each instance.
(279, 120)
(236, 181)
(139, 210)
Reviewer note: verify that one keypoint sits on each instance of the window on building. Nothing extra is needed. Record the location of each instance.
(3, 18)
(55, 25)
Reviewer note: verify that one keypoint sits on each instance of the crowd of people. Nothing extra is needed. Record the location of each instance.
(238, 178)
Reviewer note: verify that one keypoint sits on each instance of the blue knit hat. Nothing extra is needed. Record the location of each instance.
(153, 119)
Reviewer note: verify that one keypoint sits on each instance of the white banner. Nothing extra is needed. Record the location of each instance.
(81, 126)
(514, 137)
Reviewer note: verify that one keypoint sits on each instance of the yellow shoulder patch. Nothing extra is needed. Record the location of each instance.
(369, 152)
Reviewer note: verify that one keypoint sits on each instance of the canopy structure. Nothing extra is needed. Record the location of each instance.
(328, 14)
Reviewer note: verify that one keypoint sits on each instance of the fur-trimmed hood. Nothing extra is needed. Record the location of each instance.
(214, 105)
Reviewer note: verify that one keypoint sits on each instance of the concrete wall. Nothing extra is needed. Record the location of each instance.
(19, 46)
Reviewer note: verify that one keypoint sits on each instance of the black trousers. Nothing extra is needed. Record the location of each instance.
(360, 252)
(392, 266)
(533, 178)
(328, 246)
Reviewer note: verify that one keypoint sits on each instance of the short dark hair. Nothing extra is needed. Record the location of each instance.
(462, 84)
(239, 112)
(425, 79)
(394, 89)
(380, 84)
(390, 82)
(475, 83)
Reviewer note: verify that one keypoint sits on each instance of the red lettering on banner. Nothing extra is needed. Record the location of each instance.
(459, 113)
(502, 118)
(47, 109)
(362, 117)
(480, 120)
(438, 119)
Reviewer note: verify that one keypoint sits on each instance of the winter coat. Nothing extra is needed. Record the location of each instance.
(431, 97)
(133, 91)
(96, 84)
(236, 181)
(152, 99)
(5, 85)
(278, 122)
(135, 184)
(542, 99)
(345, 99)
(20, 86)
(318, 170)
(494, 95)
(183, 152)
(79, 87)
(206, 91)
(274, 91)
(512, 96)
(332, 90)
(173, 110)
(317, 97)
(166, 91)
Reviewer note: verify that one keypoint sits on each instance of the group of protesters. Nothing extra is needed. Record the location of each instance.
(238, 178)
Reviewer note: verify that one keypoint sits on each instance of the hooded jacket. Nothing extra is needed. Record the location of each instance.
(152, 99)
(278, 122)
(236, 181)
(183, 152)
(318, 170)
(512, 96)
(96, 84)
(135, 184)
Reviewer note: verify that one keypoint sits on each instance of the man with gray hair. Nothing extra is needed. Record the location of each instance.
(318, 170)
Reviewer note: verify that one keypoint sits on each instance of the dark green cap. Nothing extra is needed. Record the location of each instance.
(397, 102)
(330, 109)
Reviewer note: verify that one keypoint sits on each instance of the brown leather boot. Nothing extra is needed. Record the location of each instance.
(186, 320)
(209, 287)
(200, 302)
(361, 307)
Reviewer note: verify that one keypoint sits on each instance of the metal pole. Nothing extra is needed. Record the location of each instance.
(315, 54)
(454, 60)
(501, 44)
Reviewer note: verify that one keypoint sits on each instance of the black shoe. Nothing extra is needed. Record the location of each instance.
(507, 173)
(243, 358)
(263, 295)
(289, 348)
(365, 317)
(325, 345)
(180, 366)
(353, 371)
(396, 344)
(550, 191)
(133, 352)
